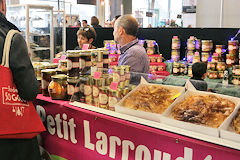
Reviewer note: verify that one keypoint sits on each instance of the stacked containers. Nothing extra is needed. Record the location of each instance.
(207, 46)
(232, 56)
(150, 47)
(190, 49)
(175, 56)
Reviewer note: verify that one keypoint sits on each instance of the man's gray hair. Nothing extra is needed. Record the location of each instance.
(129, 24)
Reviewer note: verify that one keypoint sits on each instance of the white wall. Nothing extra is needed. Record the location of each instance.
(208, 13)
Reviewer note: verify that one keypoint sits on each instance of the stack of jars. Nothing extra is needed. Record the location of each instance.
(175, 49)
(150, 47)
(207, 46)
(190, 49)
(220, 50)
(236, 75)
(216, 69)
(179, 68)
(232, 56)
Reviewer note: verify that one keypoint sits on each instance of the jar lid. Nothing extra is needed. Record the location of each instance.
(59, 76)
(48, 71)
(63, 61)
(220, 46)
(212, 62)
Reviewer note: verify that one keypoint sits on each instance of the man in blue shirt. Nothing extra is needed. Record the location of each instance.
(132, 54)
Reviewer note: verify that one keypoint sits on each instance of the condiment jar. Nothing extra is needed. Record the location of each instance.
(88, 90)
(196, 59)
(212, 74)
(176, 69)
(220, 74)
(219, 49)
(58, 87)
(175, 43)
(198, 44)
(232, 46)
(236, 70)
(114, 97)
(190, 70)
(175, 55)
(221, 66)
(215, 59)
(229, 60)
(191, 44)
(151, 43)
(190, 56)
(150, 51)
(205, 56)
(73, 88)
(211, 66)
(182, 69)
(207, 45)
(46, 79)
(73, 64)
(127, 75)
(62, 64)
(103, 97)
(235, 80)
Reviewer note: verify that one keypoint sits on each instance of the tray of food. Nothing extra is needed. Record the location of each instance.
(148, 101)
(201, 112)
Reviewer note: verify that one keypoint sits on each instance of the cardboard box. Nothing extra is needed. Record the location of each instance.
(168, 119)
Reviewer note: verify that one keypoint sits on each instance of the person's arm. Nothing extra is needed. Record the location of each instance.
(22, 69)
(135, 63)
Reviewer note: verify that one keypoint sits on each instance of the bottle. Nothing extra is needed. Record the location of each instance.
(225, 78)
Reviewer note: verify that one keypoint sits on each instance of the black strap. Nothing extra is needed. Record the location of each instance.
(130, 47)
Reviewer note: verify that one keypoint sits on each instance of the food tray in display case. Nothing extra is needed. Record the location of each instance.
(191, 107)
(227, 131)
(141, 105)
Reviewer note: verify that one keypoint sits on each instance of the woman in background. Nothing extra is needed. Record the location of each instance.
(86, 35)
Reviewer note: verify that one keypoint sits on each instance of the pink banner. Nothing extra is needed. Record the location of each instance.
(77, 134)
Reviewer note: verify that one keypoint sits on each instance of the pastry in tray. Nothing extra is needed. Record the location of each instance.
(208, 110)
(151, 98)
(236, 123)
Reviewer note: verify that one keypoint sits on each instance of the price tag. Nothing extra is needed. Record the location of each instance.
(63, 57)
(114, 86)
(215, 54)
(97, 75)
(85, 47)
(56, 60)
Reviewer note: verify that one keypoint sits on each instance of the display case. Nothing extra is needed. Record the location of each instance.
(36, 24)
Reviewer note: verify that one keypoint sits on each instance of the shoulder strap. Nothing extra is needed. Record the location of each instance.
(7, 45)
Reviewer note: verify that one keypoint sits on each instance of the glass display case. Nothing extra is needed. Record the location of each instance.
(36, 24)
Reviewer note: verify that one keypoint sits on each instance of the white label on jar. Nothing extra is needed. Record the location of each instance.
(95, 91)
(229, 61)
(174, 46)
(69, 64)
(204, 47)
(44, 84)
(112, 101)
(70, 89)
(218, 50)
(175, 70)
(87, 90)
(75, 65)
(82, 63)
(103, 98)
(116, 77)
(88, 64)
(237, 72)
(231, 47)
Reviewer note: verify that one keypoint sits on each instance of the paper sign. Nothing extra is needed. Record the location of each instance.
(56, 60)
(97, 75)
(85, 47)
(215, 54)
(63, 57)
(114, 86)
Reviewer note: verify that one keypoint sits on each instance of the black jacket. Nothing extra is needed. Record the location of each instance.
(199, 84)
(20, 63)
(27, 85)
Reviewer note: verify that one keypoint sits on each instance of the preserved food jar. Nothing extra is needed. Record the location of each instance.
(191, 44)
(176, 69)
(198, 44)
(103, 97)
(160, 68)
(221, 66)
(211, 66)
(152, 59)
(196, 59)
(85, 61)
(62, 64)
(160, 59)
(95, 91)
(61, 71)
(88, 90)
(150, 51)
(207, 45)
(205, 57)
(190, 56)
(127, 75)
(212, 74)
(175, 55)
(175, 43)
(190, 70)
(182, 68)
(220, 74)
(229, 60)
(236, 70)
(235, 80)
(122, 76)
(151, 43)
(215, 59)
(116, 74)
(219, 49)
(58, 87)
(73, 88)
(232, 46)
(114, 97)
(73, 64)
(46, 79)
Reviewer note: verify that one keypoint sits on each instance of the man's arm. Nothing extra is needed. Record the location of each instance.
(22, 69)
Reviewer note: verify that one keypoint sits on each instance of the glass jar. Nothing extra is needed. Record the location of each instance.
(114, 97)
(151, 43)
(97, 83)
(235, 80)
(205, 57)
(150, 51)
(73, 88)
(232, 46)
(175, 43)
(190, 56)
(219, 49)
(127, 75)
(159, 59)
(46, 79)
(236, 70)
(176, 69)
(215, 59)
(196, 59)
(85, 61)
(58, 87)
(198, 44)
(160, 68)
(152, 59)
(38, 69)
(191, 44)
(175, 55)
(207, 45)
(73, 64)
(182, 69)
(116, 74)
(220, 74)
(103, 97)
(190, 70)
(88, 90)
(122, 76)
(211, 66)
(229, 60)
(62, 64)
(212, 74)
(221, 66)
(61, 71)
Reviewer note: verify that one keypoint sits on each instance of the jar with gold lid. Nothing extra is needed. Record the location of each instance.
(176, 69)
(73, 88)
(196, 58)
(190, 56)
(62, 64)
(211, 66)
(221, 66)
(219, 49)
(58, 87)
(114, 97)
(205, 57)
(212, 74)
(88, 90)
(182, 68)
(215, 59)
(73, 64)
(229, 60)
(207, 45)
(46, 79)
(198, 44)
(175, 55)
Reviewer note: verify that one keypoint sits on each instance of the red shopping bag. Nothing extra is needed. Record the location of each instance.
(18, 119)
